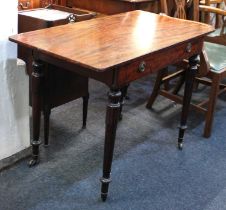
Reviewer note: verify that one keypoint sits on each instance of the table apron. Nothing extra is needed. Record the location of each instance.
(138, 68)
(154, 62)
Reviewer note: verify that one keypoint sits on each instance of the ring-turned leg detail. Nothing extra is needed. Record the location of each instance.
(37, 85)
(181, 136)
(189, 80)
(104, 182)
(112, 115)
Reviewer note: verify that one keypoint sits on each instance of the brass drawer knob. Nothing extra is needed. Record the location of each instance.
(72, 18)
(188, 48)
(142, 67)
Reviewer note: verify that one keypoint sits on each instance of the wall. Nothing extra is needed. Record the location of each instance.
(14, 109)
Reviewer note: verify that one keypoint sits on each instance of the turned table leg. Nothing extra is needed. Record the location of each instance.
(85, 110)
(47, 112)
(37, 81)
(189, 80)
(122, 99)
(112, 114)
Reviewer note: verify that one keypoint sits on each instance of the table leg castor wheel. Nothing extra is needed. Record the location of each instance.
(46, 145)
(33, 162)
(104, 197)
(180, 145)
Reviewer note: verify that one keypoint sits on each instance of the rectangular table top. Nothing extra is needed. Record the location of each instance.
(109, 42)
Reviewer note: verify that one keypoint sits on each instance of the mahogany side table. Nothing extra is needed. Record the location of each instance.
(115, 50)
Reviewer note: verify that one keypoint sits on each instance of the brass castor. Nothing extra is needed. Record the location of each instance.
(33, 162)
(180, 145)
(104, 197)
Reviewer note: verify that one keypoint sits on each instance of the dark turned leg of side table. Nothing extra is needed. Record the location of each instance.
(122, 99)
(112, 114)
(126, 92)
(85, 110)
(37, 85)
(190, 76)
(47, 112)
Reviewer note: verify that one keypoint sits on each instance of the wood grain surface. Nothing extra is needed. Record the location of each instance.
(107, 42)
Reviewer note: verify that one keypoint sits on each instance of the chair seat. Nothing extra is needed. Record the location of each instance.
(217, 56)
(216, 32)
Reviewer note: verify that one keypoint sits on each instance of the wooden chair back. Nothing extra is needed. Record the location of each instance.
(219, 36)
(181, 9)
(218, 4)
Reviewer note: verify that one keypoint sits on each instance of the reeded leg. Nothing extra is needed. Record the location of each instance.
(189, 80)
(47, 112)
(122, 99)
(112, 114)
(85, 110)
(37, 80)
(211, 105)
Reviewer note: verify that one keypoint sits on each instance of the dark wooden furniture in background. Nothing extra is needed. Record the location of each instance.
(32, 4)
(215, 3)
(44, 3)
(107, 7)
(60, 86)
(115, 50)
(110, 7)
(28, 4)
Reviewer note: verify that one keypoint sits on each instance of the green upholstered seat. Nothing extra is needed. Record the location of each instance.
(216, 55)
(217, 32)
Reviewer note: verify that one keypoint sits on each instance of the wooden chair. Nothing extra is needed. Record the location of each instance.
(217, 17)
(212, 67)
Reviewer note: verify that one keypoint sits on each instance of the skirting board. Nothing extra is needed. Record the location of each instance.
(9, 161)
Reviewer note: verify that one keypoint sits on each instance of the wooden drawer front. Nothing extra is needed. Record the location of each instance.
(152, 63)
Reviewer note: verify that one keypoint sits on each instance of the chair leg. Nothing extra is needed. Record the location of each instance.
(179, 84)
(211, 105)
(85, 110)
(46, 112)
(156, 88)
(195, 85)
(166, 84)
